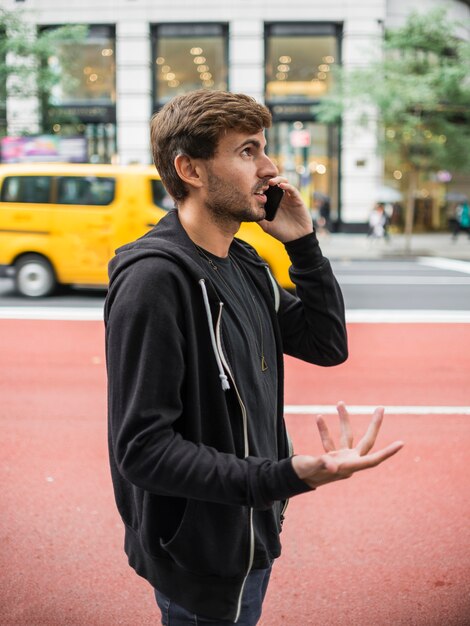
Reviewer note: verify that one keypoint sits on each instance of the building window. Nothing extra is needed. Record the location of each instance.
(187, 57)
(90, 75)
(83, 103)
(307, 154)
(299, 61)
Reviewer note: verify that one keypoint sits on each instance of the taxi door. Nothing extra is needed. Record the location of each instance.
(83, 225)
(25, 215)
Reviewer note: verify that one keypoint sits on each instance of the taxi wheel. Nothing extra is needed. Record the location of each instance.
(34, 276)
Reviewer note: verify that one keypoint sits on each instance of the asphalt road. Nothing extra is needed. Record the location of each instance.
(373, 284)
(411, 284)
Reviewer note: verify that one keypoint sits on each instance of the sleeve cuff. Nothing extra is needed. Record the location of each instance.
(296, 483)
(305, 252)
(284, 482)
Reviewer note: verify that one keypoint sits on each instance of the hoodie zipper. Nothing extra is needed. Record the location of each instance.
(246, 453)
(277, 303)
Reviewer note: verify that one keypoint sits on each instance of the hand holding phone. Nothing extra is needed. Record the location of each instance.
(274, 196)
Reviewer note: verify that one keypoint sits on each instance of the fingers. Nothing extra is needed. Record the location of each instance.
(346, 439)
(327, 441)
(347, 467)
(365, 444)
(346, 460)
(374, 459)
(290, 190)
(390, 450)
(368, 440)
(277, 180)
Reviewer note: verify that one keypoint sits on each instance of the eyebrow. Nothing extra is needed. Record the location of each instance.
(248, 142)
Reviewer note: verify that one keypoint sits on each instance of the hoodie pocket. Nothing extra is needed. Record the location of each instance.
(211, 540)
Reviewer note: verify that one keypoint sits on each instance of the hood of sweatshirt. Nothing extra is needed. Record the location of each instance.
(168, 239)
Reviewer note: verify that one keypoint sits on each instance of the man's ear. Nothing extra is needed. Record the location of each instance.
(188, 170)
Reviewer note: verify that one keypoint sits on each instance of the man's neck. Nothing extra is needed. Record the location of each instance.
(205, 231)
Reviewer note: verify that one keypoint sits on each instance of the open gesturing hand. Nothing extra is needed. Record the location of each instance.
(346, 460)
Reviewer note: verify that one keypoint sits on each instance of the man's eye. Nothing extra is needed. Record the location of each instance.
(247, 152)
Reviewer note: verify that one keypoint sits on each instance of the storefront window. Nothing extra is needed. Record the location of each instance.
(87, 69)
(83, 102)
(187, 57)
(307, 154)
(299, 61)
(299, 71)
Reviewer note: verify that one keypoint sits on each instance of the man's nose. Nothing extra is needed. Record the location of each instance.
(267, 169)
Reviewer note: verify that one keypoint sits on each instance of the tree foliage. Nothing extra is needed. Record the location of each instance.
(417, 93)
(25, 51)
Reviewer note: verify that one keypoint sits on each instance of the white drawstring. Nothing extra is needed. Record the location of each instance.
(275, 286)
(223, 378)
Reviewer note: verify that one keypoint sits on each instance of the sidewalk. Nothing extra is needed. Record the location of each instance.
(345, 246)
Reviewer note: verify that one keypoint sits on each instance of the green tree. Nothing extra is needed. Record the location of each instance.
(25, 51)
(417, 95)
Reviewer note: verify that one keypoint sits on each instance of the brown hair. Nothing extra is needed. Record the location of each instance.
(192, 124)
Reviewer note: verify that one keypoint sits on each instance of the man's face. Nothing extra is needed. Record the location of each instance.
(237, 176)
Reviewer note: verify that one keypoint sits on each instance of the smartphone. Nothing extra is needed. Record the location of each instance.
(274, 195)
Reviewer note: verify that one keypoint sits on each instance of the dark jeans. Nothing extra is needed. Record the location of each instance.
(253, 595)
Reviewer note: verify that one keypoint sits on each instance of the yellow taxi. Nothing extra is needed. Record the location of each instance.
(60, 223)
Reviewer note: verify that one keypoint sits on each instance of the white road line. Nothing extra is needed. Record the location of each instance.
(52, 313)
(353, 316)
(383, 279)
(376, 266)
(445, 264)
(400, 316)
(326, 409)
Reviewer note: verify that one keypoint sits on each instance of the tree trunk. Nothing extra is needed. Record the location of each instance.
(410, 207)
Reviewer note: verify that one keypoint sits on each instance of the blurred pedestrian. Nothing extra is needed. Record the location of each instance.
(462, 220)
(378, 222)
(195, 328)
(323, 209)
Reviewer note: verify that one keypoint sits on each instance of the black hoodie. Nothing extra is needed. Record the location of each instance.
(185, 480)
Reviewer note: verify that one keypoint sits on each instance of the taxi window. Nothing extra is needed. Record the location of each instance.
(85, 190)
(160, 196)
(26, 189)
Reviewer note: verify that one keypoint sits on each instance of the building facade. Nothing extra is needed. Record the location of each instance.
(140, 53)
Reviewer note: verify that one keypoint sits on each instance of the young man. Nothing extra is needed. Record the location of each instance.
(196, 328)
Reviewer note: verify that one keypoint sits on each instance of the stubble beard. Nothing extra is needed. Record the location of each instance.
(227, 204)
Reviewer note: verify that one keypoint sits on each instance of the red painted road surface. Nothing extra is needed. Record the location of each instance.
(390, 546)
